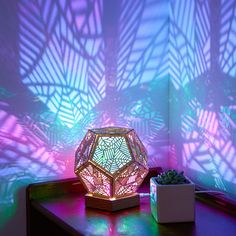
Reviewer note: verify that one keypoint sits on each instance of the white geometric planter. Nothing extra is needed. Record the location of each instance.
(172, 203)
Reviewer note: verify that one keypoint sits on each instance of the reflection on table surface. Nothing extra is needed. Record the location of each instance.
(138, 220)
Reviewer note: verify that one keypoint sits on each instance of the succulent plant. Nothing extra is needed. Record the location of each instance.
(171, 177)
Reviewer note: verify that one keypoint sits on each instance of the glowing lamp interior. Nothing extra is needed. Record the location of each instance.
(111, 162)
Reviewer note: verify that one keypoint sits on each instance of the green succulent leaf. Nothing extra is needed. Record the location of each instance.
(171, 177)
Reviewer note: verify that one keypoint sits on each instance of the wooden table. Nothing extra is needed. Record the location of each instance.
(57, 208)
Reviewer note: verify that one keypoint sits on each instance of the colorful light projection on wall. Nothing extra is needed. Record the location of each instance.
(111, 162)
(90, 67)
(65, 66)
(58, 39)
(227, 33)
(62, 55)
(24, 158)
(202, 94)
(143, 50)
(188, 59)
(56, 68)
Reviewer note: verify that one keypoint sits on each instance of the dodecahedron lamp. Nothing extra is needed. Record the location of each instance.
(111, 163)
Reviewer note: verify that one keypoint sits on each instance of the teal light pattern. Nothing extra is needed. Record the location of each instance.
(112, 153)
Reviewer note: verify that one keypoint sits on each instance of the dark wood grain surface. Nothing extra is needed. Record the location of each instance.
(64, 213)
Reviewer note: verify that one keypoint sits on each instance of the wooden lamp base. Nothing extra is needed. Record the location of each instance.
(110, 204)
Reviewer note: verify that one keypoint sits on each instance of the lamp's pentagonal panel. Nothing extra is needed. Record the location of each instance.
(129, 179)
(137, 148)
(84, 149)
(111, 153)
(96, 182)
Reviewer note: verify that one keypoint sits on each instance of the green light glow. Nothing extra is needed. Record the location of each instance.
(112, 153)
(98, 226)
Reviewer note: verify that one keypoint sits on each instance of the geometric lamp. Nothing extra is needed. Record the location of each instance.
(111, 163)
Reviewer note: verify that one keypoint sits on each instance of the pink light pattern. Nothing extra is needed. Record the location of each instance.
(208, 143)
(84, 149)
(130, 179)
(95, 181)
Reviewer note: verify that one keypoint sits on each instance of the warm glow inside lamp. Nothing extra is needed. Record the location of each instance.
(111, 163)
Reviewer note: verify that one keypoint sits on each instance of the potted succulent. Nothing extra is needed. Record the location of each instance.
(172, 197)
